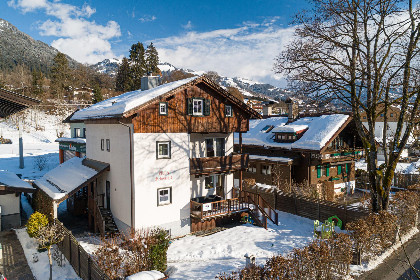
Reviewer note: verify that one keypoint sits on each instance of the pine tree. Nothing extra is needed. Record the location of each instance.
(37, 83)
(60, 75)
(97, 94)
(123, 79)
(137, 65)
(152, 60)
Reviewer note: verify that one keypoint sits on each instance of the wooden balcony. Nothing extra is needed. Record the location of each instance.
(212, 165)
(204, 211)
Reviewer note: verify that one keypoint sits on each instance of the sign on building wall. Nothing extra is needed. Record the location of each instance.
(77, 147)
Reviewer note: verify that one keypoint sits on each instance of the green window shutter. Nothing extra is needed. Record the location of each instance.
(189, 106)
(338, 169)
(207, 107)
(328, 170)
(318, 171)
(347, 168)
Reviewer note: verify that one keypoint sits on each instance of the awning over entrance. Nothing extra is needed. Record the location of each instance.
(10, 182)
(70, 176)
(11, 102)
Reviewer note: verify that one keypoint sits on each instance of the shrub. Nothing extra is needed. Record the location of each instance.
(35, 223)
(404, 206)
(157, 253)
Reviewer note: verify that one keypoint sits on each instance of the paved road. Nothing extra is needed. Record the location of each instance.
(12, 261)
(396, 266)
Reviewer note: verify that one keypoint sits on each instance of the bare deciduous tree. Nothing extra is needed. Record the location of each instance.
(366, 54)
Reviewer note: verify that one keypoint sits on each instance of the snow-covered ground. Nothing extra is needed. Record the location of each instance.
(402, 167)
(40, 130)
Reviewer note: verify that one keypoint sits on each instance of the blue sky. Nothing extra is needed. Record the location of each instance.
(234, 38)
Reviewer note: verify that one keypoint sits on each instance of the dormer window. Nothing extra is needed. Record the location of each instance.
(267, 128)
(163, 108)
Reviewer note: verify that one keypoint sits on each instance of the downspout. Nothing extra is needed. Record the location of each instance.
(131, 174)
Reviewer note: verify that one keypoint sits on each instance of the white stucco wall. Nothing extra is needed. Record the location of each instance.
(152, 174)
(9, 204)
(119, 159)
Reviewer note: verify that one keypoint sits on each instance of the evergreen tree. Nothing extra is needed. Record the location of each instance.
(60, 75)
(152, 60)
(137, 65)
(123, 79)
(97, 94)
(37, 83)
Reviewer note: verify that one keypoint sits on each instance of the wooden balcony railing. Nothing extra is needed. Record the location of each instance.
(209, 165)
(217, 208)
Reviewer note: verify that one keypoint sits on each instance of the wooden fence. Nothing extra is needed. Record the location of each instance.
(399, 180)
(83, 264)
(314, 209)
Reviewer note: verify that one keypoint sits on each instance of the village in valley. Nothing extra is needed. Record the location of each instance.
(136, 168)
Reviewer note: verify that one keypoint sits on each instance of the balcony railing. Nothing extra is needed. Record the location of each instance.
(217, 208)
(210, 165)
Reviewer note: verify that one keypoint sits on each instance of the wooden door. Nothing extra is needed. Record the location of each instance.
(108, 195)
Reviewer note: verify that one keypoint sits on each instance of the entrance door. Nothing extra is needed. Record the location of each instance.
(108, 195)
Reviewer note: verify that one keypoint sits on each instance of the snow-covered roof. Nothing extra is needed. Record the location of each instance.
(67, 177)
(118, 105)
(71, 140)
(277, 159)
(147, 275)
(320, 130)
(290, 128)
(11, 180)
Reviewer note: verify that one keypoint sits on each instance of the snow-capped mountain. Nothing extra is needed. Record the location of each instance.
(107, 66)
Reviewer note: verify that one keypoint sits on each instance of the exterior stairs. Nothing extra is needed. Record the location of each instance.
(110, 226)
(261, 211)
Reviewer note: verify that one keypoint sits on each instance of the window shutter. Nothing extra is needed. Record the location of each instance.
(207, 107)
(338, 169)
(318, 171)
(328, 170)
(189, 106)
(347, 168)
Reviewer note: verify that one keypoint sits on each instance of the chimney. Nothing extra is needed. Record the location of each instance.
(293, 110)
(149, 81)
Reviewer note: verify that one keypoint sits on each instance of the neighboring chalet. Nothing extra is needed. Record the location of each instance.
(11, 186)
(317, 151)
(158, 157)
(75, 145)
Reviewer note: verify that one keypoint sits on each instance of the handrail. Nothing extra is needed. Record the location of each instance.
(261, 223)
(220, 207)
(262, 204)
(100, 222)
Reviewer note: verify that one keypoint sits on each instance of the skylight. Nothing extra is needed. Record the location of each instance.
(267, 128)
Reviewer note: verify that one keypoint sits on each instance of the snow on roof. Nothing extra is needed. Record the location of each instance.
(72, 140)
(147, 275)
(118, 105)
(320, 130)
(290, 128)
(13, 181)
(279, 159)
(66, 177)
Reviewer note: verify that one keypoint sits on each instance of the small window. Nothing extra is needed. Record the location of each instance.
(164, 196)
(266, 169)
(84, 133)
(267, 128)
(102, 144)
(163, 149)
(198, 107)
(209, 182)
(382, 115)
(252, 168)
(163, 108)
(392, 114)
(77, 133)
(228, 111)
(108, 145)
(364, 117)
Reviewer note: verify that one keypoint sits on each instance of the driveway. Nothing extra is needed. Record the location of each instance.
(13, 263)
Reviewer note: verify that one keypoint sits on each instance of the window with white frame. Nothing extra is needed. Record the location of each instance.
(228, 111)
(252, 168)
(198, 107)
(164, 196)
(108, 145)
(76, 132)
(163, 149)
(266, 169)
(215, 147)
(163, 108)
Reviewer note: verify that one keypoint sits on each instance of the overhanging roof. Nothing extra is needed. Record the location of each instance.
(11, 182)
(12, 102)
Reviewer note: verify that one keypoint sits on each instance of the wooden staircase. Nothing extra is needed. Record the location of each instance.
(260, 210)
(110, 226)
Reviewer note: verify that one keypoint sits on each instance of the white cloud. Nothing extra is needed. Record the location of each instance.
(247, 51)
(188, 26)
(78, 36)
(147, 18)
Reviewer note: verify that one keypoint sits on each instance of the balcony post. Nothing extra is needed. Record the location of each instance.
(240, 171)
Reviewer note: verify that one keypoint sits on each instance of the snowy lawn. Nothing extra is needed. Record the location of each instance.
(204, 257)
(41, 269)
